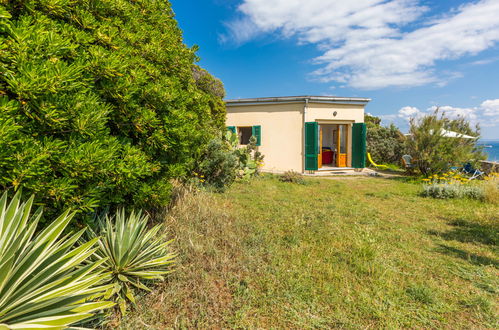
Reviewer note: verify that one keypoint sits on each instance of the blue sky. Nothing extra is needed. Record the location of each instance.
(409, 56)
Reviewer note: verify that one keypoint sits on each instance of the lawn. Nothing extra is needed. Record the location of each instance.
(343, 253)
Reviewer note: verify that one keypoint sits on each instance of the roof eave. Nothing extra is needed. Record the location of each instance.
(287, 99)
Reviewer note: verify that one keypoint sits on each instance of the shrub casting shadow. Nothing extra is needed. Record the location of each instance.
(473, 258)
(470, 232)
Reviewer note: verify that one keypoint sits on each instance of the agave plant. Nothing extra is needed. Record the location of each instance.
(43, 283)
(132, 254)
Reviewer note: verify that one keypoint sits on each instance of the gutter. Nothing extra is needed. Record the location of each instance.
(305, 107)
(294, 99)
(342, 102)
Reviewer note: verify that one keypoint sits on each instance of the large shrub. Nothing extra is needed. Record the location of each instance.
(386, 144)
(432, 151)
(100, 102)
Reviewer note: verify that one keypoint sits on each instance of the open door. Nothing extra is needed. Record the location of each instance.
(342, 146)
(319, 158)
(341, 139)
(359, 132)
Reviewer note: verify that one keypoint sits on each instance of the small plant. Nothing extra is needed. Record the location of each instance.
(293, 177)
(441, 191)
(132, 255)
(491, 188)
(473, 192)
(421, 294)
(453, 185)
(250, 159)
(447, 191)
(43, 283)
(450, 177)
(219, 166)
(224, 161)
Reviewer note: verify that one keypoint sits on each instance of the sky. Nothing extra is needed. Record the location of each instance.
(408, 56)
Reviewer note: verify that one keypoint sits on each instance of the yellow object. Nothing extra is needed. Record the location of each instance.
(373, 163)
(342, 160)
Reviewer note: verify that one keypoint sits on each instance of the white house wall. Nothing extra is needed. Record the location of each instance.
(325, 111)
(282, 128)
(281, 137)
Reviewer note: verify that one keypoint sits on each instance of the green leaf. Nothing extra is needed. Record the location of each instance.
(43, 283)
(133, 252)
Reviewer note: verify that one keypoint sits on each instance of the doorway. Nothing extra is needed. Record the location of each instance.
(333, 145)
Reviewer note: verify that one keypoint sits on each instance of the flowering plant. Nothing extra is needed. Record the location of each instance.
(451, 177)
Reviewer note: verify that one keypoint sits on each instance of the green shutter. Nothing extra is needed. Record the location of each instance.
(359, 145)
(231, 128)
(257, 132)
(311, 145)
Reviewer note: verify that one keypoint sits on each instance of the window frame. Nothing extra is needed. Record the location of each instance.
(240, 134)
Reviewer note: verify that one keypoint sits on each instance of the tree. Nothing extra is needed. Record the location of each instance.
(101, 103)
(432, 151)
(385, 144)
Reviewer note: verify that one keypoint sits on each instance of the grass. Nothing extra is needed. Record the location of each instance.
(391, 168)
(342, 253)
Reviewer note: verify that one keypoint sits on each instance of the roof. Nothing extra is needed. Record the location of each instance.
(304, 98)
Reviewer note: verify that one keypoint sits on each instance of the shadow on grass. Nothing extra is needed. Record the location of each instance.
(473, 258)
(470, 232)
(404, 178)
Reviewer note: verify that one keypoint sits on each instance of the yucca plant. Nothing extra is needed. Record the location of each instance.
(132, 254)
(43, 283)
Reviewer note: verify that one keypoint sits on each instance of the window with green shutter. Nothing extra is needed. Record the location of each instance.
(311, 146)
(257, 133)
(359, 145)
(231, 128)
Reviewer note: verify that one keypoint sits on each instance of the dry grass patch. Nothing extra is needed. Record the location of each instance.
(211, 263)
(491, 189)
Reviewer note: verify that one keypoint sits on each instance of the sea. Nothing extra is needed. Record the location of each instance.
(491, 148)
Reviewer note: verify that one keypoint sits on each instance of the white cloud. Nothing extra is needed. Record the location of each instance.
(369, 44)
(408, 112)
(402, 117)
(471, 114)
(491, 109)
(485, 61)
(486, 114)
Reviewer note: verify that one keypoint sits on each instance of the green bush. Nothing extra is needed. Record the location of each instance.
(101, 103)
(385, 144)
(219, 166)
(249, 158)
(131, 254)
(43, 283)
(224, 161)
(432, 152)
(447, 191)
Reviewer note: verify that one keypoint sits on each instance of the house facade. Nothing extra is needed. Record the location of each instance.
(302, 133)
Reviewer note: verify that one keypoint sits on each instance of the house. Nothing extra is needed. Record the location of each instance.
(302, 133)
